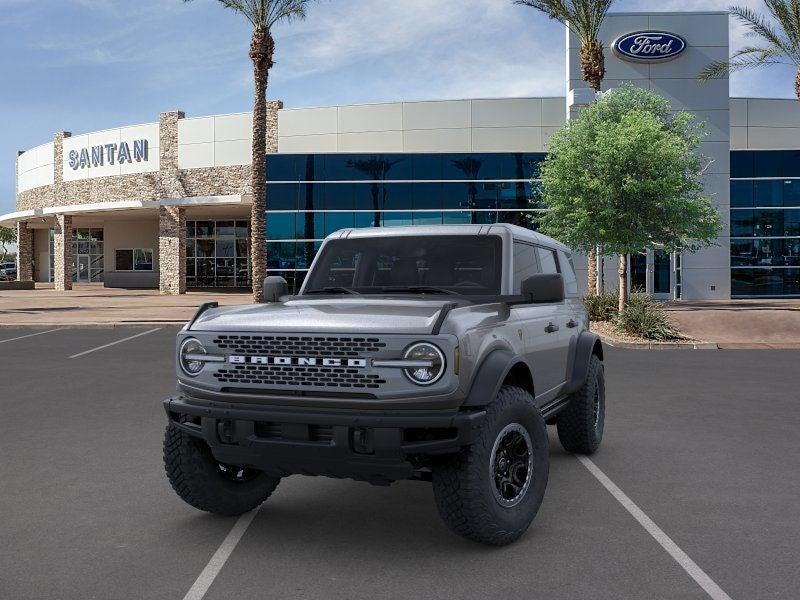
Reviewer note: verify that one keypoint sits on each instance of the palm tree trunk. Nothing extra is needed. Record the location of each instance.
(797, 84)
(592, 272)
(593, 67)
(623, 282)
(261, 51)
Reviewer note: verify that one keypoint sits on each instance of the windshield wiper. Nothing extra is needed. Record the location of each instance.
(333, 290)
(420, 289)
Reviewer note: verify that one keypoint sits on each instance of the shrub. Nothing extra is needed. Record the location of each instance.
(645, 318)
(602, 307)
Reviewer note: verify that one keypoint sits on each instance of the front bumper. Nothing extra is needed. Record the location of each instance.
(375, 446)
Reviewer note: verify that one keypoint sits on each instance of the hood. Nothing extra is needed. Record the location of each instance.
(342, 315)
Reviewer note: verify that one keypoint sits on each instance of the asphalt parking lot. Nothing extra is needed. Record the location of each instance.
(705, 443)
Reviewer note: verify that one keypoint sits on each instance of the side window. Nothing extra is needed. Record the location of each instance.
(547, 258)
(525, 264)
(568, 270)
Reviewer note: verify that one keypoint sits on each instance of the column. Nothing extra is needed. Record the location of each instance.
(172, 250)
(62, 250)
(24, 252)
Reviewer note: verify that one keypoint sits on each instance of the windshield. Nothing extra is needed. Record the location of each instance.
(447, 264)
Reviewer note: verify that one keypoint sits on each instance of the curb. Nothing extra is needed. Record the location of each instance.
(658, 345)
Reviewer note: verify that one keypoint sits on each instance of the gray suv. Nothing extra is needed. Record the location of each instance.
(431, 353)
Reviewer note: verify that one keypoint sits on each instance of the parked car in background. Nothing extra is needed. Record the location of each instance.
(8, 271)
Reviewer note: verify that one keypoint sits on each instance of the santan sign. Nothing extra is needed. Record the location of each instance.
(649, 46)
(97, 156)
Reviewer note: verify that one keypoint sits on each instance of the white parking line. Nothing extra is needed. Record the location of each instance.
(115, 343)
(695, 572)
(214, 566)
(22, 337)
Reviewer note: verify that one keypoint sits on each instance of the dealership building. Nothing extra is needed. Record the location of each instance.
(167, 204)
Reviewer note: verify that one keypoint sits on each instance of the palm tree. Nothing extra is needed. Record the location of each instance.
(263, 15)
(780, 41)
(584, 19)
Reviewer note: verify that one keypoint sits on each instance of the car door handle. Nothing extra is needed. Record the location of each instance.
(572, 323)
(551, 328)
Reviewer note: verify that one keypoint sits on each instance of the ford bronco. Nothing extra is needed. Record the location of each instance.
(434, 353)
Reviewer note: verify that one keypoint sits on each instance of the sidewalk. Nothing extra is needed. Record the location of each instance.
(740, 323)
(89, 305)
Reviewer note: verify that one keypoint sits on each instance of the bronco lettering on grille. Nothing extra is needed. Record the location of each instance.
(298, 361)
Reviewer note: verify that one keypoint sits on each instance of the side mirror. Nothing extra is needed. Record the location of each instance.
(544, 288)
(275, 286)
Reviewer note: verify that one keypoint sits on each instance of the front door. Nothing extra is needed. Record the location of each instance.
(83, 268)
(662, 272)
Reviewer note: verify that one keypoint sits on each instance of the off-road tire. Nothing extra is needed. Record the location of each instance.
(197, 478)
(580, 430)
(463, 484)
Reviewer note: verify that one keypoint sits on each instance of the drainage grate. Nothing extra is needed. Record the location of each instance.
(274, 375)
(296, 345)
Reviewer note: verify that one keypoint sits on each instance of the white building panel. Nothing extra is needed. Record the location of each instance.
(507, 139)
(698, 29)
(195, 156)
(308, 121)
(773, 113)
(437, 140)
(770, 138)
(196, 131)
(690, 94)
(371, 141)
(554, 111)
(738, 108)
(302, 144)
(739, 138)
(234, 152)
(445, 114)
(370, 117)
(237, 126)
(508, 112)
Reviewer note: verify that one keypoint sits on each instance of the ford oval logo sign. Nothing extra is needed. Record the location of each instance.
(649, 46)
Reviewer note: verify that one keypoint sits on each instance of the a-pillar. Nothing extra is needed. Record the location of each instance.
(24, 252)
(62, 253)
(171, 250)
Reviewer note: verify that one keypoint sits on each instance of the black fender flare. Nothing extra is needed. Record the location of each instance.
(588, 343)
(490, 376)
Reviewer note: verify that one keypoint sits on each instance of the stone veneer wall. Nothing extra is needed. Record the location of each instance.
(24, 252)
(62, 250)
(172, 250)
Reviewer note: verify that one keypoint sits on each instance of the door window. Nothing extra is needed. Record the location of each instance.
(547, 260)
(568, 271)
(525, 264)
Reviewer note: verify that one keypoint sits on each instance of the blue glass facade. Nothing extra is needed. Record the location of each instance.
(312, 195)
(765, 223)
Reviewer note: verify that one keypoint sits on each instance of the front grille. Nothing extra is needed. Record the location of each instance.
(273, 375)
(297, 345)
(322, 434)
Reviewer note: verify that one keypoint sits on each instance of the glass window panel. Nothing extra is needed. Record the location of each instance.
(225, 267)
(242, 272)
(484, 217)
(454, 195)
(123, 260)
(242, 248)
(339, 196)
(83, 247)
(791, 222)
(768, 193)
(281, 255)
(426, 166)
(742, 223)
(204, 229)
(765, 282)
(282, 196)
(395, 196)
(528, 165)
(189, 229)
(281, 226)
(768, 164)
(464, 166)
(427, 218)
(790, 165)
(143, 260)
(205, 248)
(371, 167)
(396, 219)
(190, 272)
(189, 248)
(226, 248)
(337, 221)
(768, 223)
(309, 225)
(205, 271)
(742, 164)
(242, 229)
(457, 217)
(226, 228)
(311, 196)
(366, 196)
(283, 167)
(343, 167)
(367, 219)
(305, 254)
(484, 195)
(741, 194)
(515, 195)
(427, 195)
(791, 192)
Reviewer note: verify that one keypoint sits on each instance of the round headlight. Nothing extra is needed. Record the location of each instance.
(190, 349)
(428, 353)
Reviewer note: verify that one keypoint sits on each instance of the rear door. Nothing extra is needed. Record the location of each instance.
(560, 316)
(540, 341)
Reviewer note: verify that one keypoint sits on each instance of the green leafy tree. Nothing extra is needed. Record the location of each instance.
(263, 15)
(627, 174)
(584, 19)
(778, 40)
(8, 236)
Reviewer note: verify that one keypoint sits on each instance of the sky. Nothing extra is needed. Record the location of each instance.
(86, 65)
